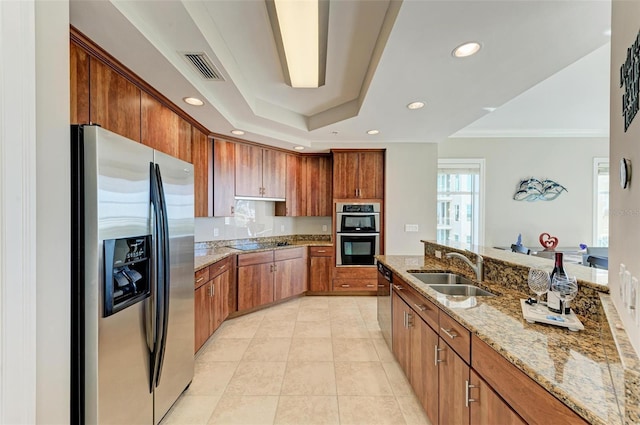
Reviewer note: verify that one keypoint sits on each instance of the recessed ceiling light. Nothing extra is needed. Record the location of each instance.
(489, 108)
(466, 49)
(373, 132)
(415, 105)
(237, 132)
(299, 148)
(193, 101)
(334, 133)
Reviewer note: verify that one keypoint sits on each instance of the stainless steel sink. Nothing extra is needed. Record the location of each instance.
(461, 290)
(441, 278)
(451, 284)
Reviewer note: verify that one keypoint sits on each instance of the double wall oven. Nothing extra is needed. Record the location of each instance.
(357, 233)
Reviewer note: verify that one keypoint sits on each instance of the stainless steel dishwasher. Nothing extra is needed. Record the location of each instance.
(385, 279)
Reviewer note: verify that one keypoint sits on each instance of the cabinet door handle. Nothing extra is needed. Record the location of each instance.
(345, 285)
(409, 320)
(222, 267)
(467, 388)
(404, 319)
(436, 356)
(398, 287)
(421, 307)
(449, 333)
(370, 285)
(200, 279)
(321, 251)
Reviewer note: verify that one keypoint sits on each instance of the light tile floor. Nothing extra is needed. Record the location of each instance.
(311, 360)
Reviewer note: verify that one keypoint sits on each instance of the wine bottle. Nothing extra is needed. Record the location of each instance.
(554, 303)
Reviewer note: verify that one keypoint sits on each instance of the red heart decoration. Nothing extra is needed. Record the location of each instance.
(548, 242)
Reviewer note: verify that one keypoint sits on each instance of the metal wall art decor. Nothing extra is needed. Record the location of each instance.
(538, 190)
(548, 242)
(630, 79)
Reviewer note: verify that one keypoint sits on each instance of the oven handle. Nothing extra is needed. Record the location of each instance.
(358, 234)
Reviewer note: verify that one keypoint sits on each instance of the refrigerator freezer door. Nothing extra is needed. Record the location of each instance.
(117, 375)
(178, 358)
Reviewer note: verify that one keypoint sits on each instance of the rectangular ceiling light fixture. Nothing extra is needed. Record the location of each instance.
(300, 30)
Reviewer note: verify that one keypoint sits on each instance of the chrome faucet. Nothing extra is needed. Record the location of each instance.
(476, 268)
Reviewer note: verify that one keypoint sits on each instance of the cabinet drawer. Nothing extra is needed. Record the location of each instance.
(456, 335)
(201, 277)
(355, 285)
(255, 258)
(219, 267)
(288, 254)
(425, 308)
(321, 251)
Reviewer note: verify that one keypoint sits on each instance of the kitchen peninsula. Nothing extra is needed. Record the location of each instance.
(594, 372)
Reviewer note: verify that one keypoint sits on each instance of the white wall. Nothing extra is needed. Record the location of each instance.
(624, 217)
(52, 220)
(410, 196)
(567, 161)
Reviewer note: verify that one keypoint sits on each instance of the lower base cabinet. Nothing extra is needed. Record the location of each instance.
(211, 300)
(437, 364)
(268, 276)
(320, 267)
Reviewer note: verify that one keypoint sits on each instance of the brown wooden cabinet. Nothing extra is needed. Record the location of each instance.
(202, 150)
(358, 174)
(320, 266)
(114, 100)
(434, 350)
(211, 299)
(486, 406)
(79, 84)
(317, 181)
(164, 130)
(290, 267)
(260, 173)
(268, 276)
(293, 205)
(224, 178)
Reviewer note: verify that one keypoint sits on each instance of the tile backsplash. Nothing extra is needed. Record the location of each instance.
(256, 219)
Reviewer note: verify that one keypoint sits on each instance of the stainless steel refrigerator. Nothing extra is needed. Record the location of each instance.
(132, 279)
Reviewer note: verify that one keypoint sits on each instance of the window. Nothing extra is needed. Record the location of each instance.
(601, 202)
(460, 183)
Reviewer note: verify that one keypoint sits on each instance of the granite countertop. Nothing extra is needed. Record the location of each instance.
(205, 256)
(582, 369)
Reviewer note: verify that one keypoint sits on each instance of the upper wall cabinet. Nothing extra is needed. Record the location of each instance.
(164, 130)
(224, 176)
(114, 100)
(260, 173)
(79, 84)
(358, 174)
(293, 205)
(316, 186)
(202, 152)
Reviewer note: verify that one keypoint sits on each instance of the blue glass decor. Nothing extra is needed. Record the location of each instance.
(536, 190)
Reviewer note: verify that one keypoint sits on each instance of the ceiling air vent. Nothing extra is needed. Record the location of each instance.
(203, 65)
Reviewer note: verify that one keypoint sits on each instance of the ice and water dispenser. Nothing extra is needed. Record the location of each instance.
(127, 268)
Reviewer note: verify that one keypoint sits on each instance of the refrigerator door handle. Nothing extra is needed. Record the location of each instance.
(158, 277)
(164, 285)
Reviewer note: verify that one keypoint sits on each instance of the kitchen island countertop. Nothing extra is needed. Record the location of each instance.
(582, 369)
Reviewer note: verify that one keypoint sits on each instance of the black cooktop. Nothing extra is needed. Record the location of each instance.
(258, 245)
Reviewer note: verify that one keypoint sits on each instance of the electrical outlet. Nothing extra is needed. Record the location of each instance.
(227, 220)
(324, 227)
(216, 232)
(410, 227)
(438, 254)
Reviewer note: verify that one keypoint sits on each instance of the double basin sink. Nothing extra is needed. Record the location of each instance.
(450, 284)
